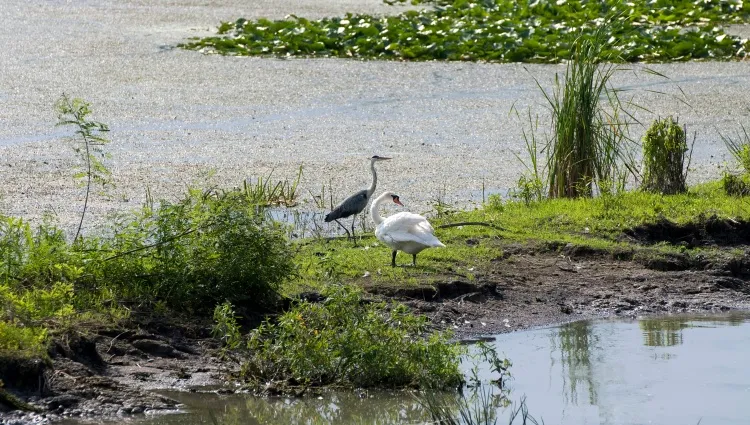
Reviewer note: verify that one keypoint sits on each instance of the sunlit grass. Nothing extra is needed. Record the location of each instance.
(597, 223)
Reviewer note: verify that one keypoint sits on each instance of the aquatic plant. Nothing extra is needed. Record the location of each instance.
(739, 148)
(350, 342)
(588, 146)
(665, 152)
(499, 30)
(74, 112)
(267, 192)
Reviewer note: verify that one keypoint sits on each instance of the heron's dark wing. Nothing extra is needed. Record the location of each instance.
(350, 206)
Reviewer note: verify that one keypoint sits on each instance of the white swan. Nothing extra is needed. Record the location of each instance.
(403, 231)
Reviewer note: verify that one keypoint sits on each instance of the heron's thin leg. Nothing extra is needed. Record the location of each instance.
(348, 236)
(353, 235)
(393, 259)
(414, 260)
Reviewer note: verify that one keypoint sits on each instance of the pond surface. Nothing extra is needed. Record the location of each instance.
(675, 370)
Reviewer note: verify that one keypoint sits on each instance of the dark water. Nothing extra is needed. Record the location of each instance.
(676, 370)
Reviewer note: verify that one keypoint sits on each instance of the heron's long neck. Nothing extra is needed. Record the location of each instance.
(371, 190)
(374, 208)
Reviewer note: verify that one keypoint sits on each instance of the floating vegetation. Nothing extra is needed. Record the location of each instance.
(500, 31)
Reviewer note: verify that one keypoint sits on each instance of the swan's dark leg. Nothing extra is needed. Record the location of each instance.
(414, 260)
(393, 259)
(348, 236)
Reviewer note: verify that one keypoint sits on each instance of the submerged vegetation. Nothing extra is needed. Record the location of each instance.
(498, 30)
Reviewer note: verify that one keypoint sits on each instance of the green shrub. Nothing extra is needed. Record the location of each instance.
(226, 328)
(735, 185)
(17, 340)
(348, 342)
(37, 271)
(664, 152)
(206, 249)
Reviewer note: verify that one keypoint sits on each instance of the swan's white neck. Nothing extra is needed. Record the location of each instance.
(376, 205)
(371, 190)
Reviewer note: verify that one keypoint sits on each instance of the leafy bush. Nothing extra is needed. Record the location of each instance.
(16, 340)
(664, 152)
(37, 271)
(226, 328)
(208, 248)
(348, 342)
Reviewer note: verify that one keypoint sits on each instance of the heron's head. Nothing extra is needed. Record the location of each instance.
(396, 200)
(379, 158)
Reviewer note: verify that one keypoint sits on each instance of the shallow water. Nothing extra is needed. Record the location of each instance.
(674, 370)
(677, 370)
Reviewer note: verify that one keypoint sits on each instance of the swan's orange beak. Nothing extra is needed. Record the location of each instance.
(397, 201)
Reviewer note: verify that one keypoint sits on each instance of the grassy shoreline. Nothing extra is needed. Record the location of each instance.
(631, 225)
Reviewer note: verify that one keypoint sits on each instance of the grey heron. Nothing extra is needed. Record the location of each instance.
(356, 203)
(403, 231)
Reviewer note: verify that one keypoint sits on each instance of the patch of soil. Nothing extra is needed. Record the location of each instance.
(532, 288)
(712, 231)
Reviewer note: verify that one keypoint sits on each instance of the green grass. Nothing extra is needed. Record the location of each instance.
(501, 31)
(598, 223)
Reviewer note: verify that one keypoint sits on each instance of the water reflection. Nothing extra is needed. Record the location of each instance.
(329, 408)
(667, 332)
(575, 341)
(662, 333)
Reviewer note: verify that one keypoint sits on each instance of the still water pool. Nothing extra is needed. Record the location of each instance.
(674, 370)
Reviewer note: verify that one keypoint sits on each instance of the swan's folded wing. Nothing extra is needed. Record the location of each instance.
(406, 226)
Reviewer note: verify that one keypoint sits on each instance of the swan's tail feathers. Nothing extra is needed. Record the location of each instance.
(439, 245)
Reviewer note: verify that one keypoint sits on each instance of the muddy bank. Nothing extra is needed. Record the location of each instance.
(111, 372)
(529, 288)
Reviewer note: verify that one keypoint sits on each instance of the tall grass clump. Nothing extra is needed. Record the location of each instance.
(664, 153)
(348, 342)
(588, 147)
(208, 248)
(266, 192)
(738, 184)
(739, 148)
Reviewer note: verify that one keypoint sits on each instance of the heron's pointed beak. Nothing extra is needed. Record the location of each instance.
(384, 157)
